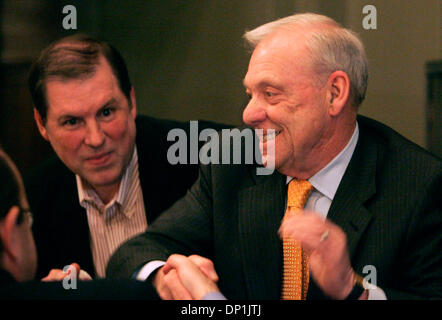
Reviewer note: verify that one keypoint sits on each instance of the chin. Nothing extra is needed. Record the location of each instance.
(106, 178)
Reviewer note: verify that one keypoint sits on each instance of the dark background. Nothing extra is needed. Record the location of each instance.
(187, 58)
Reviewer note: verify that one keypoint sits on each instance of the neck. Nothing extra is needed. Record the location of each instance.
(107, 193)
(322, 153)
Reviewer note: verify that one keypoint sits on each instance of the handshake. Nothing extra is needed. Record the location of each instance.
(186, 278)
(181, 278)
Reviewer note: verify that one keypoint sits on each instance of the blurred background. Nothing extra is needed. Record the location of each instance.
(187, 58)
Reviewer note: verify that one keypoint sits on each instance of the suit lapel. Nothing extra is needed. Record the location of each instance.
(357, 186)
(261, 208)
(348, 209)
(151, 165)
(148, 179)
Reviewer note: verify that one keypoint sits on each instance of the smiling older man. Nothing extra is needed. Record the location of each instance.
(352, 194)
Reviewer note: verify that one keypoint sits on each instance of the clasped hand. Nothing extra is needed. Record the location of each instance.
(185, 278)
(326, 246)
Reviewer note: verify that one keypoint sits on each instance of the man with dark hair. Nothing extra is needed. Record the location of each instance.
(18, 256)
(111, 178)
(349, 196)
(74, 57)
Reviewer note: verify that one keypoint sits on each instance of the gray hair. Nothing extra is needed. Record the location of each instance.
(330, 49)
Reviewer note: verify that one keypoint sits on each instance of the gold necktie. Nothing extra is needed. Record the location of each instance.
(296, 272)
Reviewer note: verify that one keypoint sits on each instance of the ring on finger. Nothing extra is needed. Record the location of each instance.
(324, 235)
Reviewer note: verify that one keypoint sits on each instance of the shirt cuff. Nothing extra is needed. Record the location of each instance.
(148, 268)
(213, 296)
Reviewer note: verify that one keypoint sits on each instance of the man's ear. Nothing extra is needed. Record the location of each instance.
(338, 92)
(133, 100)
(8, 229)
(40, 125)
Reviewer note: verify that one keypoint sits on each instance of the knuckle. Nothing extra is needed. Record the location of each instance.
(206, 263)
(195, 258)
(172, 257)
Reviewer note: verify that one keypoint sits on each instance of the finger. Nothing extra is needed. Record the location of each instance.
(287, 227)
(84, 276)
(76, 266)
(167, 267)
(174, 262)
(54, 275)
(175, 286)
(160, 286)
(309, 229)
(165, 293)
(47, 278)
(290, 221)
(168, 284)
(206, 266)
(191, 276)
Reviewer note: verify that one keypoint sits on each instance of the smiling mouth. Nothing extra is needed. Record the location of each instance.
(268, 134)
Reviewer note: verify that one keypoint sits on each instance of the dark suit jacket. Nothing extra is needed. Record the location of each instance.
(61, 228)
(102, 289)
(388, 203)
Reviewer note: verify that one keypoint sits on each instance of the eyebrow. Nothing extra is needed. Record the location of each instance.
(264, 82)
(68, 116)
(107, 104)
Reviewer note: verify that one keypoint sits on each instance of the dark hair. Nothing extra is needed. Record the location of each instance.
(74, 57)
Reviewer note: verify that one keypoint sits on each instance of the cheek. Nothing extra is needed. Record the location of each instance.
(117, 130)
(121, 134)
(67, 141)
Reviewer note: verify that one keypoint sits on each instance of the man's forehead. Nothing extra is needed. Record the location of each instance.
(79, 95)
(282, 41)
(101, 68)
(279, 53)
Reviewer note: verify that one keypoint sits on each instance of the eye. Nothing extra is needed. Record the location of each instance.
(269, 94)
(71, 122)
(106, 112)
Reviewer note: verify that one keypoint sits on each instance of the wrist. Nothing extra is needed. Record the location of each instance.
(364, 295)
(358, 291)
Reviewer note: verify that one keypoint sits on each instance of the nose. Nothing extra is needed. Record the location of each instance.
(254, 113)
(94, 136)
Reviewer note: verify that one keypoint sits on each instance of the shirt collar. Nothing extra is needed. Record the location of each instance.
(327, 180)
(87, 194)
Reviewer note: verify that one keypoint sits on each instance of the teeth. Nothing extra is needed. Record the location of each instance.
(270, 136)
(267, 136)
